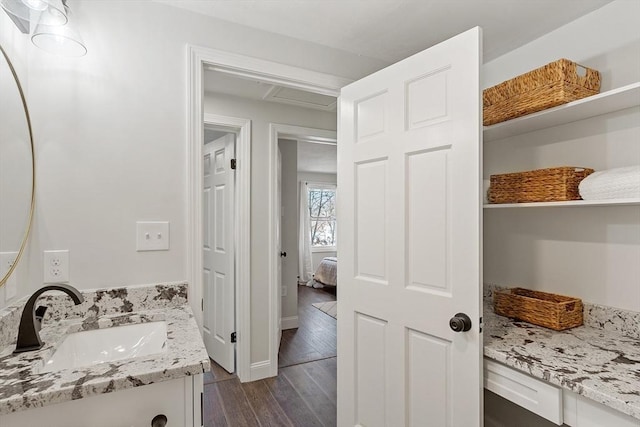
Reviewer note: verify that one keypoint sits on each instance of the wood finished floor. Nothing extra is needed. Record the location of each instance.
(304, 392)
(315, 337)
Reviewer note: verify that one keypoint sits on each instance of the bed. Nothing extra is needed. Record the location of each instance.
(326, 274)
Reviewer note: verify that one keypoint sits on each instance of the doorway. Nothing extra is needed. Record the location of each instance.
(255, 348)
(307, 224)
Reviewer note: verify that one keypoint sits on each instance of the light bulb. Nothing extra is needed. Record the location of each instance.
(38, 5)
(54, 14)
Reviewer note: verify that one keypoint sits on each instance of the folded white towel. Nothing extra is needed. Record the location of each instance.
(619, 183)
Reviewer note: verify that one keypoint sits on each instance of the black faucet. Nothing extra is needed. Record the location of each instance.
(31, 320)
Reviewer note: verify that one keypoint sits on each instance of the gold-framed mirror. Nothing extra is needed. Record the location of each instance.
(17, 169)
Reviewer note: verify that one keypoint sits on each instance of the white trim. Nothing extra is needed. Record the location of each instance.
(321, 249)
(322, 185)
(195, 141)
(260, 370)
(271, 72)
(193, 386)
(196, 121)
(290, 322)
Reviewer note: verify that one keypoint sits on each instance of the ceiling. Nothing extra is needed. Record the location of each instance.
(387, 30)
(391, 30)
(217, 82)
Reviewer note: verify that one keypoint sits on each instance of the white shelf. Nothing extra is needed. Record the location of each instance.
(573, 203)
(603, 103)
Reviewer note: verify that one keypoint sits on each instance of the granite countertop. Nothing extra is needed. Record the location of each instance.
(23, 387)
(591, 360)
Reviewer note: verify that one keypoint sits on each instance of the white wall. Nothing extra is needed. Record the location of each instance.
(110, 132)
(591, 253)
(606, 39)
(329, 178)
(289, 230)
(261, 114)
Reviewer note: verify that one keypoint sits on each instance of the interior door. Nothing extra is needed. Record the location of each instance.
(409, 215)
(218, 251)
(279, 250)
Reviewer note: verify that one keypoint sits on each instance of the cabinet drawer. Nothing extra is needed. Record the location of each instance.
(534, 395)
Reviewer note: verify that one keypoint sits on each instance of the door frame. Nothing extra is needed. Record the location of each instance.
(267, 71)
(278, 131)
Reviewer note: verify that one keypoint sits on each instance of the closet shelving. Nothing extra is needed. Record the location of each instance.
(607, 102)
(596, 105)
(572, 203)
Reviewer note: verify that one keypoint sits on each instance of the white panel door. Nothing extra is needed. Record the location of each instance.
(218, 320)
(409, 215)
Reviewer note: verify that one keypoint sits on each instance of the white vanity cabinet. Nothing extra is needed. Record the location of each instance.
(179, 400)
(561, 407)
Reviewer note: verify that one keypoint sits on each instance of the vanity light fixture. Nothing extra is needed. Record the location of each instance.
(24, 12)
(54, 30)
(62, 40)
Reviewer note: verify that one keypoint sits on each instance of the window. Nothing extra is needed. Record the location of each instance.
(322, 215)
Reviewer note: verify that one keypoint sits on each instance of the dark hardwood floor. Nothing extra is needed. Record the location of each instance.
(304, 392)
(315, 337)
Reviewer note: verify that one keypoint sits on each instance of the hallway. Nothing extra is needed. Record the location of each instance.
(303, 394)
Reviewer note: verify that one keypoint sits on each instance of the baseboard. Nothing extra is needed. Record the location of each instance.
(290, 322)
(261, 370)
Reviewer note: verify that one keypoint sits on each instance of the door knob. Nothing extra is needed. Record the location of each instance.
(283, 254)
(460, 323)
(159, 421)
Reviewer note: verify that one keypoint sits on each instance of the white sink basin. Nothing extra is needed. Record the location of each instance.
(88, 348)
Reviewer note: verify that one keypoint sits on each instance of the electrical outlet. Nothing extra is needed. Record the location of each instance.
(7, 259)
(56, 266)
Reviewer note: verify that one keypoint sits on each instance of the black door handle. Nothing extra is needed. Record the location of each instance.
(460, 323)
(283, 254)
(159, 421)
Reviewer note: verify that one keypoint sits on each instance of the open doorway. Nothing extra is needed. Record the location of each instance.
(264, 119)
(308, 255)
(257, 323)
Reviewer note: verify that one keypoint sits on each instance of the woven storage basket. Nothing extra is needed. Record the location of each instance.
(554, 84)
(552, 311)
(541, 185)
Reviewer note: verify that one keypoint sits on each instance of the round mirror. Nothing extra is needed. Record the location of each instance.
(17, 171)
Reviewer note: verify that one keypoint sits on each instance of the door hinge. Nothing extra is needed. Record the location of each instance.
(233, 337)
(201, 409)
(202, 304)
(233, 164)
(481, 324)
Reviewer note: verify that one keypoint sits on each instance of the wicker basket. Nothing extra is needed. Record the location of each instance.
(554, 84)
(552, 311)
(542, 185)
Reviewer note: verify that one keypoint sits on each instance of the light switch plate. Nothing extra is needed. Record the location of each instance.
(7, 259)
(152, 236)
